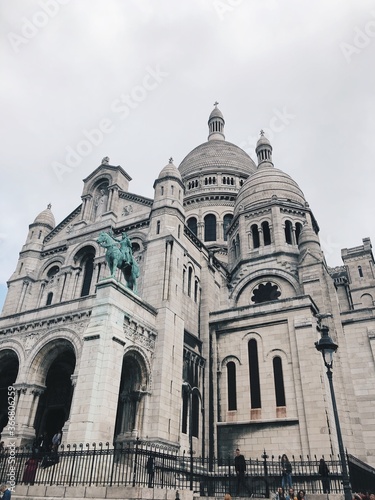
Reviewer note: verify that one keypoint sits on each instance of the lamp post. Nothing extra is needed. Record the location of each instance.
(190, 391)
(327, 347)
(187, 387)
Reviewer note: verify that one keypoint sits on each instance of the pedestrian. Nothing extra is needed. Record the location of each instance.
(286, 472)
(30, 470)
(56, 440)
(291, 495)
(5, 491)
(280, 494)
(324, 475)
(227, 496)
(301, 495)
(150, 467)
(240, 468)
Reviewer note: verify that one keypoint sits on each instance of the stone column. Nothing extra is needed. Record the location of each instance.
(27, 405)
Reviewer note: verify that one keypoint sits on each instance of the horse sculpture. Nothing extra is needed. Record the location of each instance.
(119, 255)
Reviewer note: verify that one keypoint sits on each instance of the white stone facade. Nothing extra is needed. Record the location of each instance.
(217, 343)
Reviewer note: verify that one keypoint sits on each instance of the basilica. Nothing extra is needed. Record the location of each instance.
(206, 337)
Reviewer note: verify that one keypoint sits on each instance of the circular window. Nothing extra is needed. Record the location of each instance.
(265, 292)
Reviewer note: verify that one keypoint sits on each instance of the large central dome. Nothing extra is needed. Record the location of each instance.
(219, 155)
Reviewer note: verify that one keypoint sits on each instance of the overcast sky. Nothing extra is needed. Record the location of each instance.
(135, 80)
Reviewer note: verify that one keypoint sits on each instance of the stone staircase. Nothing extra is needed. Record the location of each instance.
(54, 492)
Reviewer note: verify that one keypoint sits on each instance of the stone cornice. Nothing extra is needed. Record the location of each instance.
(139, 334)
(49, 323)
(62, 224)
(129, 227)
(293, 211)
(61, 248)
(212, 200)
(136, 198)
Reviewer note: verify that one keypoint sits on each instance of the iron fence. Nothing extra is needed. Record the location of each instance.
(145, 464)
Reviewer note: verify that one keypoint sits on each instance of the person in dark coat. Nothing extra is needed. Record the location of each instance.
(286, 472)
(324, 475)
(240, 468)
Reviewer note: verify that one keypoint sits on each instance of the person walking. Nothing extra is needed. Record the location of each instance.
(286, 472)
(324, 476)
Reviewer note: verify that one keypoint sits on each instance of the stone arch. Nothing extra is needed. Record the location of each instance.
(367, 300)
(52, 368)
(45, 351)
(229, 358)
(9, 370)
(103, 178)
(283, 278)
(75, 252)
(58, 261)
(134, 382)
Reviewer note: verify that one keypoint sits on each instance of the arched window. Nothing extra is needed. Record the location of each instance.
(52, 271)
(298, 231)
(279, 381)
(360, 272)
(162, 190)
(210, 228)
(183, 280)
(158, 227)
(254, 374)
(192, 225)
(88, 263)
(288, 232)
(255, 233)
(231, 383)
(190, 275)
(226, 223)
(49, 299)
(265, 293)
(266, 233)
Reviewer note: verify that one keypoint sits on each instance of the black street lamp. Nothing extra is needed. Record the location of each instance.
(327, 347)
(190, 391)
(187, 387)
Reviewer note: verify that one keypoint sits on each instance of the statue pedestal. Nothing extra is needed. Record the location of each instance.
(95, 399)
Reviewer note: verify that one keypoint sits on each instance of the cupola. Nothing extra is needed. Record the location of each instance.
(264, 150)
(216, 124)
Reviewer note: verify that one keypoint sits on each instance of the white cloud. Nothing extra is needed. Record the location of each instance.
(262, 56)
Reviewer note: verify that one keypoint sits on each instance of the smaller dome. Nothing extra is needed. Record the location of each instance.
(46, 217)
(308, 239)
(266, 185)
(216, 113)
(263, 141)
(170, 170)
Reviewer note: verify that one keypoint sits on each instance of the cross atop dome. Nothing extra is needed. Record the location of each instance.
(216, 103)
(171, 160)
(262, 133)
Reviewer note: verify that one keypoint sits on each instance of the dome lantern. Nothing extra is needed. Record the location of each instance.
(264, 150)
(216, 124)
